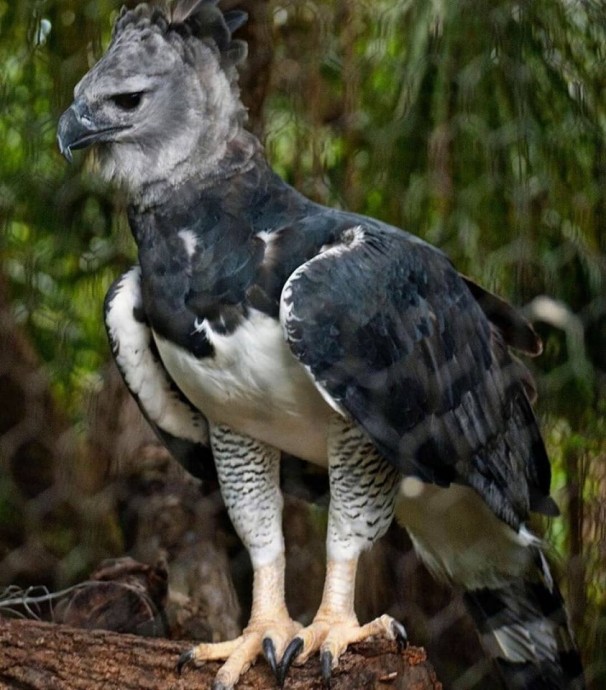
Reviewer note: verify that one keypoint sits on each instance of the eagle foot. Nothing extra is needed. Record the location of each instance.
(261, 637)
(330, 636)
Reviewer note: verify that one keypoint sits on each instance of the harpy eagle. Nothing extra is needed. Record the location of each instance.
(262, 323)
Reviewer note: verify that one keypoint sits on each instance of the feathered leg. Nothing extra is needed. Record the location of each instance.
(363, 487)
(248, 473)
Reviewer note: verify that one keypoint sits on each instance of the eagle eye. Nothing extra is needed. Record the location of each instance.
(127, 101)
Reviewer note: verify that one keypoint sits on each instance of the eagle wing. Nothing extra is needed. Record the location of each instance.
(394, 338)
(179, 425)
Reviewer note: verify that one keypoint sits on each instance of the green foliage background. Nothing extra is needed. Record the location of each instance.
(480, 125)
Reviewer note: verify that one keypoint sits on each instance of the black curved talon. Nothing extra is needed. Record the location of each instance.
(326, 663)
(400, 634)
(269, 651)
(184, 659)
(218, 685)
(290, 654)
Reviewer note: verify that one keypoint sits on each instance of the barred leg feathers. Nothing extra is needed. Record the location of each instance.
(249, 475)
(510, 593)
(363, 487)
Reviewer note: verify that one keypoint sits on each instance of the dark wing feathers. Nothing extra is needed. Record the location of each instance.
(516, 330)
(392, 333)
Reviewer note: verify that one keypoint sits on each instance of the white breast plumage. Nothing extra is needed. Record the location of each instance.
(254, 384)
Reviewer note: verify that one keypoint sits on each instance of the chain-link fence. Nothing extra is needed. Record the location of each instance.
(478, 125)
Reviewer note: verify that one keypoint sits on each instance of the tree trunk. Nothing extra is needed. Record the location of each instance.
(47, 656)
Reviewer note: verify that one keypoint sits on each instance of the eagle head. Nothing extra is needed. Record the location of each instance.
(163, 101)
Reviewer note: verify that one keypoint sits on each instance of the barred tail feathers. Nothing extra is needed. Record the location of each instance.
(524, 628)
(510, 593)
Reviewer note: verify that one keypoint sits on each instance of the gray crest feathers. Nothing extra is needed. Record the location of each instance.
(199, 19)
(206, 21)
(184, 9)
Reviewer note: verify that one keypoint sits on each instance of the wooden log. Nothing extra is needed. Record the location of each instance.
(48, 656)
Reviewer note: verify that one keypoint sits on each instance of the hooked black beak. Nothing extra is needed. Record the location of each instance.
(77, 130)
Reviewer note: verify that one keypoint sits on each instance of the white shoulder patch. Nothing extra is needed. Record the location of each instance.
(189, 240)
(142, 370)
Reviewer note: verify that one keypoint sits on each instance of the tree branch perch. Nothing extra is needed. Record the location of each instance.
(47, 656)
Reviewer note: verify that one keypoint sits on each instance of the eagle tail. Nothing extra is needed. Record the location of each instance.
(510, 593)
(524, 628)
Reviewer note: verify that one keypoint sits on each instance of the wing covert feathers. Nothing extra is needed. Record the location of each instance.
(392, 333)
